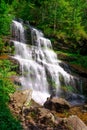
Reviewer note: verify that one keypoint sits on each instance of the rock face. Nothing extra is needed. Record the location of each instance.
(57, 104)
(78, 70)
(75, 123)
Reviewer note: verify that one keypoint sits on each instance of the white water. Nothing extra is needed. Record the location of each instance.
(38, 63)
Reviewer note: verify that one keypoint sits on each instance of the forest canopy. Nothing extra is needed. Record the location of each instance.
(64, 20)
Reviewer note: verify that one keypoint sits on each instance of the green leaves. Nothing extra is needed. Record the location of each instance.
(53, 17)
(1, 45)
(6, 86)
(5, 18)
(7, 121)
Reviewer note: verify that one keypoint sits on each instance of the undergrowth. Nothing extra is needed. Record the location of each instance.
(7, 121)
(77, 58)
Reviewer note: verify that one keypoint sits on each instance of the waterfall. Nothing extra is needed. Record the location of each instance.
(39, 65)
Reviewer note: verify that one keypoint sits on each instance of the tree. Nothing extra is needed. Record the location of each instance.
(5, 18)
(61, 18)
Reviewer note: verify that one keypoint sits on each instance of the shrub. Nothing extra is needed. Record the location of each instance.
(7, 121)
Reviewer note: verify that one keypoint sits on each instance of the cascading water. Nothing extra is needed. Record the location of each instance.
(39, 65)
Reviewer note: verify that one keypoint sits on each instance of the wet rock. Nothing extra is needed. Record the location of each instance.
(28, 35)
(66, 67)
(74, 99)
(57, 104)
(15, 62)
(16, 80)
(11, 50)
(75, 123)
(61, 79)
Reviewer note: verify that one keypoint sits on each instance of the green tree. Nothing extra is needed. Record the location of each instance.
(5, 18)
(76, 17)
(63, 19)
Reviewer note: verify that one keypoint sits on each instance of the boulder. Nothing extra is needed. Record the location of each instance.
(41, 118)
(20, 99)
(57, 104)
(75, 123)
(46, 116)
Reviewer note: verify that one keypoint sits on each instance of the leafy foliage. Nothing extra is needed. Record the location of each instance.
(5, 18)
(57, 16)
(7, 121)
(80, 60)
(1, 45)
(61, 19)
(75, 58)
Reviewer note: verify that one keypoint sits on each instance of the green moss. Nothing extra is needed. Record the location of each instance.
(69, 89)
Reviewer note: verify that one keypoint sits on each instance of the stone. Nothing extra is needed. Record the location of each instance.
(20, 99)
(57, 104)
(46, 114)
(75, 123)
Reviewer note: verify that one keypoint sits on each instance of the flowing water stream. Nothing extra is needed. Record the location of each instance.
(39, 65)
